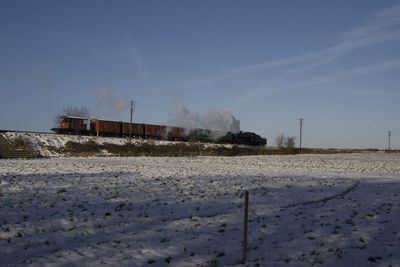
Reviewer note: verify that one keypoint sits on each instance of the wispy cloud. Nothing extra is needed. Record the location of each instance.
(384, 21)
(384, 26)
(324, 79)
(40, 78)
(348, 74)
(373, 93)
(142, 69)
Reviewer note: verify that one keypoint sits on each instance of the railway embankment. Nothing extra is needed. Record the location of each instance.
(4, 145)
(59, 145)
(30, 144)
(16, 148)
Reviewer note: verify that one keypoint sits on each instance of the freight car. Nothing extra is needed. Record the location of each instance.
(137, 129)
(154, 131)
(105, 128)
(77, 125)
(143, 130)
(176, 133)
(72, 125)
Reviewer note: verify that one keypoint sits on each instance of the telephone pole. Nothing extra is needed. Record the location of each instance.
(389, 135)
(301, 132)
(130, 123)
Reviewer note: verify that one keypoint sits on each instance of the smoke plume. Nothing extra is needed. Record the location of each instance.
(219, 122)
(105, 98)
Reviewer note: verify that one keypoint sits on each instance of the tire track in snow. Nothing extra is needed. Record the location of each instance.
(348, 190)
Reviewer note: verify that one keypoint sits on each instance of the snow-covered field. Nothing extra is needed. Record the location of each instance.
(327, 210)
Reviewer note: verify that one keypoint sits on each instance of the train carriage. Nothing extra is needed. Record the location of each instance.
(105, 128)
(155, 131)
(137, 129)
(175, 133)
(72, 125)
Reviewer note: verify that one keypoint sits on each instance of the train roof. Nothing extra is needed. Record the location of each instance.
(73, 117)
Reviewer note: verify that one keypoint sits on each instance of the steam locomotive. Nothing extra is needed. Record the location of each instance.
(78, 125)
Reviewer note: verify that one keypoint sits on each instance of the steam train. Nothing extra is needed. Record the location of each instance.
(78, 125)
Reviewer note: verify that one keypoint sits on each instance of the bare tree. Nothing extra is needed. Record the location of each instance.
(290, 143)
(82, 112)
(280, 140)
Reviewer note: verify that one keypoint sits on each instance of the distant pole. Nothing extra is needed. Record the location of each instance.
(389, 135)
(130, 123)
(301, 132)
(245, 222)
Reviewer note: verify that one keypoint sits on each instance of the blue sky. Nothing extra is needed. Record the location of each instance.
(334, 63)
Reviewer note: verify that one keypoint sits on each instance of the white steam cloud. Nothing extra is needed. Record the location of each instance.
(219, 122)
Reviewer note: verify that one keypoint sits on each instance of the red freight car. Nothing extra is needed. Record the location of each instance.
(70, 122)
(105, 128)
(137, 129)
(175, 133)
(154, 131)
(72, 125)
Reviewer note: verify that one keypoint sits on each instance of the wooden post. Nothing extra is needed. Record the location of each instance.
(245, 222)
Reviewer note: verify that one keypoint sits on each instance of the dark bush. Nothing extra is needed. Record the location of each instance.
(87, 147)
(22, 143)
(182, 149)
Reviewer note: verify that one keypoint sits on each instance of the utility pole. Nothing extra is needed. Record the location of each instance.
(389, 135)
(301, 132)
(130, 123)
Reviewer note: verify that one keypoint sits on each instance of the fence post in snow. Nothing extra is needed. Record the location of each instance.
(245, 221)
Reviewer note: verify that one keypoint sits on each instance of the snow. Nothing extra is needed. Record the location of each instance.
(326, 210)
(43, 143)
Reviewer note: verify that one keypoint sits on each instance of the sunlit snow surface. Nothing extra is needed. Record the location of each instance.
(330, 210)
